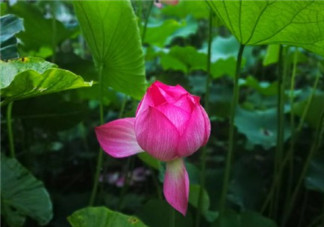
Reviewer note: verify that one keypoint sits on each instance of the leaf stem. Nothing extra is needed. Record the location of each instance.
(280, 126)
(10, 132)
(146, 20)
(100, 154)
(204, 150)
(231, 141)
(316, 143)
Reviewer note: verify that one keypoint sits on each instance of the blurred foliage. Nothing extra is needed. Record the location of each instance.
(51, 51)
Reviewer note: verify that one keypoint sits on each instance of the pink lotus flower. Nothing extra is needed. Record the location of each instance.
(169, 124)
(159, 3)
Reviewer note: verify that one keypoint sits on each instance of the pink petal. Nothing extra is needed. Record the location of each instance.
(207, 125)
(170, 93)
(156, 134)
(185, 103)
(117, 138)
(196, 133)
(176, 185)
(176, 115)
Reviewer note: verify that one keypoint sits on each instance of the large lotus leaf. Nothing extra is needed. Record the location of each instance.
(10, 25)
(260, 127)
(39, 32)
(23, 195)
(102, 217)
(110, 29)
(314, 178)
(296, 23)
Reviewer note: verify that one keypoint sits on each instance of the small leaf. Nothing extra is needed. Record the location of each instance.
(272, 55)
(259, 127)
(177, 59)
(110, 29)
(102, 217)
(23, 195)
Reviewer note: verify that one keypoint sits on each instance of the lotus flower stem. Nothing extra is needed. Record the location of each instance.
(203, 154)
(100, 154)
(10, 132)
(230, 152)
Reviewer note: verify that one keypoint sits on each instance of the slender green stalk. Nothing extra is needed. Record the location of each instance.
(204, 150)
(231, 142)
(280, 127)
(309, 101)
(286, 158)
(128, 177)
(10, 132)
(100, 154)
(53, 34)
(156, 184)
(303, 207)
(172, 217)
(146, 20)
(122, 108)
(292, 126)
(316, 143)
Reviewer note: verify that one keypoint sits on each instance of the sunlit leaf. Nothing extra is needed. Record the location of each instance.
(102, 217)
(23, 195)
(26, 79)
(110, 29)
(13, 67)
(295, 23)
(272, 55)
